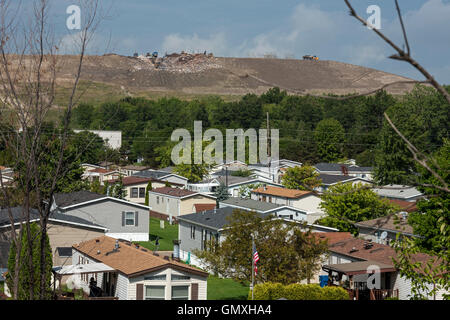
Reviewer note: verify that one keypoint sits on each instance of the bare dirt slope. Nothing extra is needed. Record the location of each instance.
(206, 74)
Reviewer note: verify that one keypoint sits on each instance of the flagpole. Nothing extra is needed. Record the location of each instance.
(253, 263)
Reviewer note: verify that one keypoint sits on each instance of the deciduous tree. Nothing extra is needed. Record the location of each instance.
(287, 254)
(301, 178)
(345, 204)
(329, 138)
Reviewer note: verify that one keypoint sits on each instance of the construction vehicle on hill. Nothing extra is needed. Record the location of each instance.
(310, 57)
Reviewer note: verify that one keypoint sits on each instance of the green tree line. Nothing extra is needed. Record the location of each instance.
(312, 129)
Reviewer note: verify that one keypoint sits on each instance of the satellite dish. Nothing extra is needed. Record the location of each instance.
(383, 235)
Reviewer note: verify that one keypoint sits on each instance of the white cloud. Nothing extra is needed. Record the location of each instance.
(96, 44)
(365, 54)
(216, 43)
(430, 25)
(337, 36)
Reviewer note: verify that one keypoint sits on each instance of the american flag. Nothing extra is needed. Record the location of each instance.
(255, 258)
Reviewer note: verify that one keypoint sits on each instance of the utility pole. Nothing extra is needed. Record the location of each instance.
(226, 176)
(269, 148)
(253, 265)
(268, 137)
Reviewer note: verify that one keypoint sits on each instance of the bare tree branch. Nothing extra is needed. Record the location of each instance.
(402, 55)
(416, 153)
(403, 27)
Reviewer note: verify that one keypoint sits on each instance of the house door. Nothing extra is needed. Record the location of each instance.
(363, 291)
(387, 280)
(109, 281)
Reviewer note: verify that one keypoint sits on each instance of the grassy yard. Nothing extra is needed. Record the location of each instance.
(218, 289)
(226, 289)
(166, 235)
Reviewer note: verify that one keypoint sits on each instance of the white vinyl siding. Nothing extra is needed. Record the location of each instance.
(169, 283)
(167, 278)
(122, 286)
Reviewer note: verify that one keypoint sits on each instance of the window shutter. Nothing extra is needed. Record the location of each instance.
(123, 218)
(136, 215)
(139, 291)
(194, 291)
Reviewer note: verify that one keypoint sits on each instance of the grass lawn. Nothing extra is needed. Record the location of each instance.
(226, 289)
(166, 235)
(218, 289)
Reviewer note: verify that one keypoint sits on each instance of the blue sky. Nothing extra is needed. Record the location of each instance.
(252, 28)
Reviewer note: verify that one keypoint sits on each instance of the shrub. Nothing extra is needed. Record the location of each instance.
(303, 292)
(275, 291)
(268, 291)
(334, 293)
(391, 298)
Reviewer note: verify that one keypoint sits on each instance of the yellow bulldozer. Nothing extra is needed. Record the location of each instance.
(310, 57)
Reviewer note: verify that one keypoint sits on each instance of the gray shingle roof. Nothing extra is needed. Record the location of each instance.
(154, 174)
(68, 199)
(213, 219)
(34, 214)
(17, 214)
(231, 180)
(398, 191)
(251, 204)
(322, 166)
(328, 179)
(68, 218)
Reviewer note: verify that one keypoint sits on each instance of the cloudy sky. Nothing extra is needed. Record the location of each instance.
(287, 28)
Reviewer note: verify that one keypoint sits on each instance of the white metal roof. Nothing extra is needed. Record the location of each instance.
(83, 268)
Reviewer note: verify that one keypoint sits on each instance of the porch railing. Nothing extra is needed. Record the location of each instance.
(374, 294)
(381, 294)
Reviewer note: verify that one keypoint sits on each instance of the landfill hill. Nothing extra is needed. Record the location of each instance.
(205, 74)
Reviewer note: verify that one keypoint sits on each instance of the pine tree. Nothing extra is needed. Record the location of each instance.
(221, 193)
(25, 284)
(149, 188)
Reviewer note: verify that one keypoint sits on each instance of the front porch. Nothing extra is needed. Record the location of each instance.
(96, 280)
(364, 280)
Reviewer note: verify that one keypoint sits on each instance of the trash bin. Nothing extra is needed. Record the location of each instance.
(323, 280)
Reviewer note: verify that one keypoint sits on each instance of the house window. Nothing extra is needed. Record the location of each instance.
(155, 292)
(134, 193)
(64, 251)
(180, 293)
(161, 277)
(176, 277)
(129, 218)
(141, 192)
(192, 232)
(157, 200)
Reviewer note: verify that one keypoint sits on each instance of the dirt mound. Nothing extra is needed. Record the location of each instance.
(206, 74)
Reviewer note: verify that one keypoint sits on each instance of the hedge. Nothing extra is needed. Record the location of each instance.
(275, 291)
